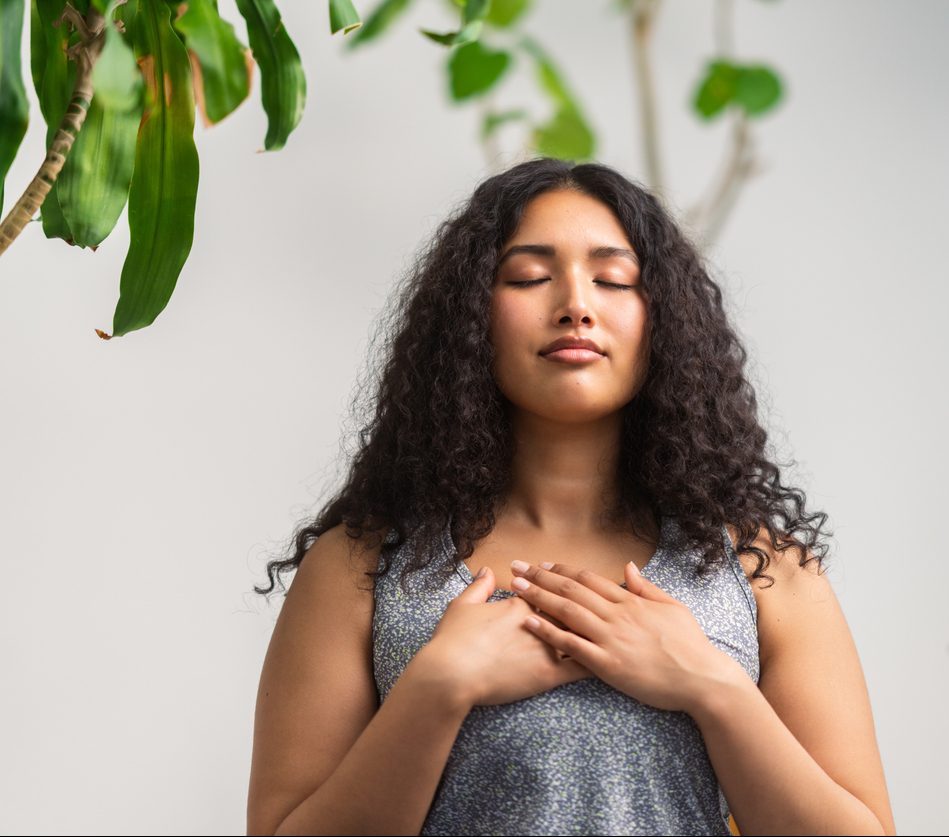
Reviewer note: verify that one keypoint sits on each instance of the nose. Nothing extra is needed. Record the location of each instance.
(573, 300)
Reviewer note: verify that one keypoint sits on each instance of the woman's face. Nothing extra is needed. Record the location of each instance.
(576, 297)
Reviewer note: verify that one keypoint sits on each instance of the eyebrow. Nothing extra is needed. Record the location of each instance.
(603, 252)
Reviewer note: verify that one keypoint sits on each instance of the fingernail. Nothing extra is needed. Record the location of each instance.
(547, 565)
(481, 572)
(635, 568)
(520, 566)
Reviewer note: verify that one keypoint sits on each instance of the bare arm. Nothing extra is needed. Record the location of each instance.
(387, 781)
(327, 758)
(797, 754)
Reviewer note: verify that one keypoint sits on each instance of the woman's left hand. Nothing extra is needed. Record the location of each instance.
(640, 640)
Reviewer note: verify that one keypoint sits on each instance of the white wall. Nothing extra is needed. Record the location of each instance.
(147, 479)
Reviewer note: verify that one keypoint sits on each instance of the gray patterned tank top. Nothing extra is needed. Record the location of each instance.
(583, 757)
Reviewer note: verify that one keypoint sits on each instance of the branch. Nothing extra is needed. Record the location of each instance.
(642, 19)
(85, 53)
(707, 216)
(741, 164)
(490, 144)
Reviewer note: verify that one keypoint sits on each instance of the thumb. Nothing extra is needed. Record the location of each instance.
(480, 589)
(635, 583)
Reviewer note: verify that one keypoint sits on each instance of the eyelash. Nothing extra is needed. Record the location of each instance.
(545, 278)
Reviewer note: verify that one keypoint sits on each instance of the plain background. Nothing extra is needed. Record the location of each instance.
(148, 479)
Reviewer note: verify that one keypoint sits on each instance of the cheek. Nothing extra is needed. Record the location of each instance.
(627, 327)
(512, 321)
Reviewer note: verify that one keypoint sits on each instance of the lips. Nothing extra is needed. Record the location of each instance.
(571, 343)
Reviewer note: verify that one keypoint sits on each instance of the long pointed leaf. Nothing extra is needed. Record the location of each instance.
(282, 84)
(14, 108)
(343, 16)
(225, 65)
(567, 135)
(93, 185)
(380, 19)
(53, 79)
(165, 180)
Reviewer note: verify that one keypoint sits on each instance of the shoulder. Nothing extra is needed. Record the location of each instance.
(342, 561)
(330, 594)
(331, 580)
(782, 565)
(794, 593)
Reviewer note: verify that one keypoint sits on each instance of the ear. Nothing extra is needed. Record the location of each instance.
(635, 583)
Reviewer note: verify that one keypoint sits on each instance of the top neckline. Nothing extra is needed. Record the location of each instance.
(461, 568)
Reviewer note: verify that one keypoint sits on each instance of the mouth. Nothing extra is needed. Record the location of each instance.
(574, 354)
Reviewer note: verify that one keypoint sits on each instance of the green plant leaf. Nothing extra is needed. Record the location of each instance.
(379, 20)
(493, 121)
(282, 83)
(116, 79)
(567, 137)
(93, 185)
(443, 38)
(94, 182)
(225, 65)
(758, 89)
(14, 107)
(473, 70)
(165, 179)
(753, 87)
(469, 33)
(343, 15)
(54, 78)
(503, 13)
(474, 10)
(717, 88)
(548, 76)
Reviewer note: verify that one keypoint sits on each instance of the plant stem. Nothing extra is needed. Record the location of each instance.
(642, 19)
(707, 216)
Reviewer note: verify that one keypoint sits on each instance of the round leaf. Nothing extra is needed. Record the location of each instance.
(717, 88)
(504, 12)
(473, 69)
(757, 89)
(567, 137)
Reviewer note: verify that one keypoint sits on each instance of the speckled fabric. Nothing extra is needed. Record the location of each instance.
(582, 758)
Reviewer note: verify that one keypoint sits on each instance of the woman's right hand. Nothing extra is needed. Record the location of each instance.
(482, 649)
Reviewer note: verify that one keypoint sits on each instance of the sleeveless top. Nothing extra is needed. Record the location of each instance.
(583, 757)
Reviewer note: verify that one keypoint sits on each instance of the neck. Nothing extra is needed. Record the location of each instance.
(564, 475)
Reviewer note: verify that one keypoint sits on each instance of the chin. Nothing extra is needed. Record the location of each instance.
(575, 411)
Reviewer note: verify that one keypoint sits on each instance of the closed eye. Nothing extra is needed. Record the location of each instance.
(602, 282)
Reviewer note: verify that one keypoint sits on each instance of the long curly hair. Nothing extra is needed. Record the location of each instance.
(438, 447)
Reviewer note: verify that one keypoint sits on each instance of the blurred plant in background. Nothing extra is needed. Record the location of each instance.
(119, 83)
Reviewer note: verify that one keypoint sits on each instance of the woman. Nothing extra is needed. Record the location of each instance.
(644, 680)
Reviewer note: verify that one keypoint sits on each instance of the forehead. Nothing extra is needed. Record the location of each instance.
(564, 223)
(568, 218)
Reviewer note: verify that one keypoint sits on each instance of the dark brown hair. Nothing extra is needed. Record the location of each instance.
(438, 445)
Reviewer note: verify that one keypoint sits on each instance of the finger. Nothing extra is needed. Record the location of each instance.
(567, 610)
(637, 584)
(571, 670)
(530, 609)
(480, 589)
(609, 590)
(566, 643)
(570, 587)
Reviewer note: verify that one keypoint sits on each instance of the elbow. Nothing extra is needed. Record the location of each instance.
(874, 826)
(257, 826)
